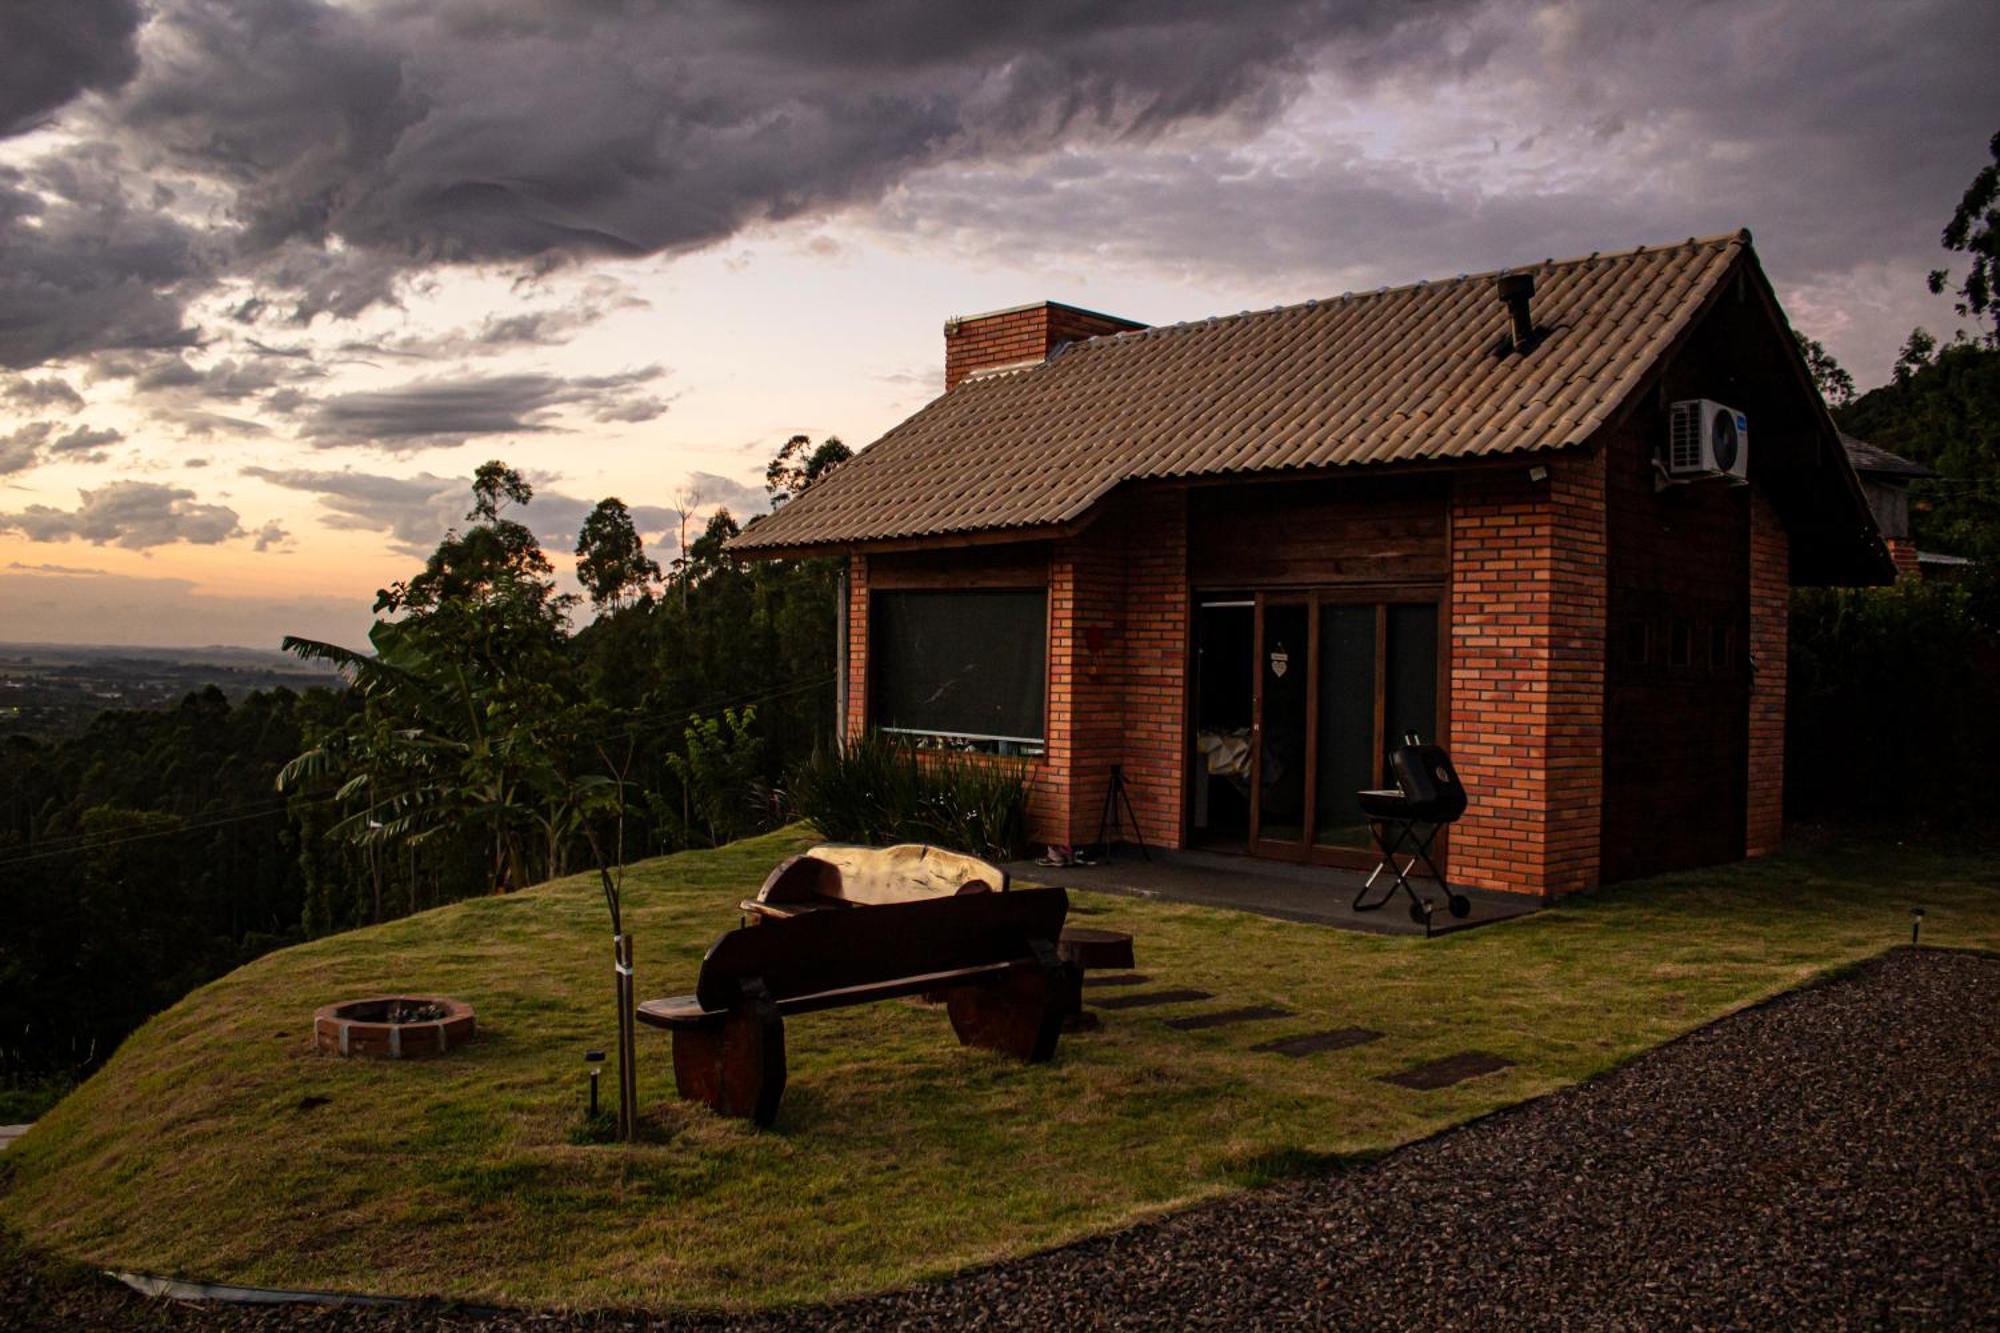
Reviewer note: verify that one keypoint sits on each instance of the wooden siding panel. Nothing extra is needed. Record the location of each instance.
(1676, 732)
(1324, 535)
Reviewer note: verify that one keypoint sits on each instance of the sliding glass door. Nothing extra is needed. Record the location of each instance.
(1341, 678)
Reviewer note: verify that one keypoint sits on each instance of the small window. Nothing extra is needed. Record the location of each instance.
(1638, 642)
(1721, 648)
(1680, 647)
(960, 670)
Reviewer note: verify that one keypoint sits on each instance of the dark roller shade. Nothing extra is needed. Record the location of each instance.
(959, 663)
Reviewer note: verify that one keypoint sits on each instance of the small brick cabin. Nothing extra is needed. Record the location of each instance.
(1239, 558)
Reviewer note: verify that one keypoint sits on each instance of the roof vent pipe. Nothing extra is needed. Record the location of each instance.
(1517, 292)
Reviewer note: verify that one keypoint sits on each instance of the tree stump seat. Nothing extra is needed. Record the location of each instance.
(991, 956)
(1084, 949)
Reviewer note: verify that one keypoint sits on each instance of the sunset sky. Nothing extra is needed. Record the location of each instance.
(276, 275)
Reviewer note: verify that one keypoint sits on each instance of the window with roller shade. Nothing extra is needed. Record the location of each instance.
(967, 670)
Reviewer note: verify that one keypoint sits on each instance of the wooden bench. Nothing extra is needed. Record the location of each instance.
(991, 956)
(837, 875)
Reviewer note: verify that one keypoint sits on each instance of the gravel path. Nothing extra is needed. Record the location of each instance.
(1827, 1160)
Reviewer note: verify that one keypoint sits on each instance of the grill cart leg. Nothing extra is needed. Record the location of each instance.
(1390, 847)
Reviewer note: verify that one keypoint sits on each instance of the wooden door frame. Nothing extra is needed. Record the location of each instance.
(1381, 597)
(1300, 851)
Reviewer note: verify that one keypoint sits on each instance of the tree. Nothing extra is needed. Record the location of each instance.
(469, 708)
(684, 506)
(1942, 409)
(800, 463)
(705, 555)
(1835, 385)
(611, 561)
(1917, 352)
(494, 571)
(1974, 229)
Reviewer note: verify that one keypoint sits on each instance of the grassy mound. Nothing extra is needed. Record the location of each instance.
(217, 1145)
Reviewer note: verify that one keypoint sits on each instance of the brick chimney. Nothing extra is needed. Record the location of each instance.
(1903, 553)
(1021, 336)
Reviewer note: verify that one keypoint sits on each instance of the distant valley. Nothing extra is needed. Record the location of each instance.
(52, 690)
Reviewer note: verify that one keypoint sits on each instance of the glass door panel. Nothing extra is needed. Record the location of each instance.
(1410, 668)
(1346, 741)
(1284, 681)
(1410, 678)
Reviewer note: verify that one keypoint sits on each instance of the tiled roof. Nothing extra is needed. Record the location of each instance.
(1870, 459)
(1396, 376)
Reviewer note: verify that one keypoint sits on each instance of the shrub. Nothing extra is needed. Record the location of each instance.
(1892, 702)
(878, 792)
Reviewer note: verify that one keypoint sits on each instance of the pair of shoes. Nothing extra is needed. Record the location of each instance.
(1056, 858)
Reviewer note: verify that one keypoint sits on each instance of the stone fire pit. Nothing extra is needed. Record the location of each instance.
(393, 1027)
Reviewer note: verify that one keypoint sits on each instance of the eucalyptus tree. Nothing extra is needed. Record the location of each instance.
(469, 711)
(611, 560)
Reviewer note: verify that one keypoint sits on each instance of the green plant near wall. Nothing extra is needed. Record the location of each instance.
(1891, 702)
(877, 791)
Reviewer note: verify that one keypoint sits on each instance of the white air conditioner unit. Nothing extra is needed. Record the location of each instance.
(1706, 439)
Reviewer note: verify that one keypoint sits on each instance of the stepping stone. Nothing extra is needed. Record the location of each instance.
(1128, 979)
(1313, 1043)
(1223, 1017)
(1452, 1069)
(1149, 998)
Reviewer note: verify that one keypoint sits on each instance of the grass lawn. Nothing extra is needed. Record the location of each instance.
(217, 1145)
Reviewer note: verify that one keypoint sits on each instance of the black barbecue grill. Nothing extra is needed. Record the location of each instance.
(1427, 797)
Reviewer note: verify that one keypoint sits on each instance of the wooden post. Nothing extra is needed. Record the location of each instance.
(628, 1077)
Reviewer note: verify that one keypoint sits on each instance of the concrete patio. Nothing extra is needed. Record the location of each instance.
(1321, 895)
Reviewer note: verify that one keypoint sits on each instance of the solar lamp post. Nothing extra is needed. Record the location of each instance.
(593, 1059)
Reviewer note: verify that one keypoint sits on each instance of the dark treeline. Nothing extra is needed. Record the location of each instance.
(1895, 692)
(477, 748)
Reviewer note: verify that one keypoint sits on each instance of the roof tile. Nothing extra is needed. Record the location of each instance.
(1399, 375)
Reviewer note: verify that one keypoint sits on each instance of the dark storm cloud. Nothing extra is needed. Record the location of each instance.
(514, 130)
(22, 449)
(1841, 135)
(32, 395)
(50, 52)
(228, 380)
(349, 147)
(416, 511)
(37, 442)
(443, 411)
(85, 266)
(137, 515)
(84, 443)
(338, 150)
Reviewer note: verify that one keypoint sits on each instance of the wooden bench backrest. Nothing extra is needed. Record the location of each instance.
(822, 951)
(871, 876)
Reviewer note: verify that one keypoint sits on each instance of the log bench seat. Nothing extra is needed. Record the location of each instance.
(990, 956)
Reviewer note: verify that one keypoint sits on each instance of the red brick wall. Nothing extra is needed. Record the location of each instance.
(1048, 801)
(1770, 595)
(856, 721)
(1903, 553)
(1118, 626)
(1527, 675)
(1010, 337)
(1126, 639)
